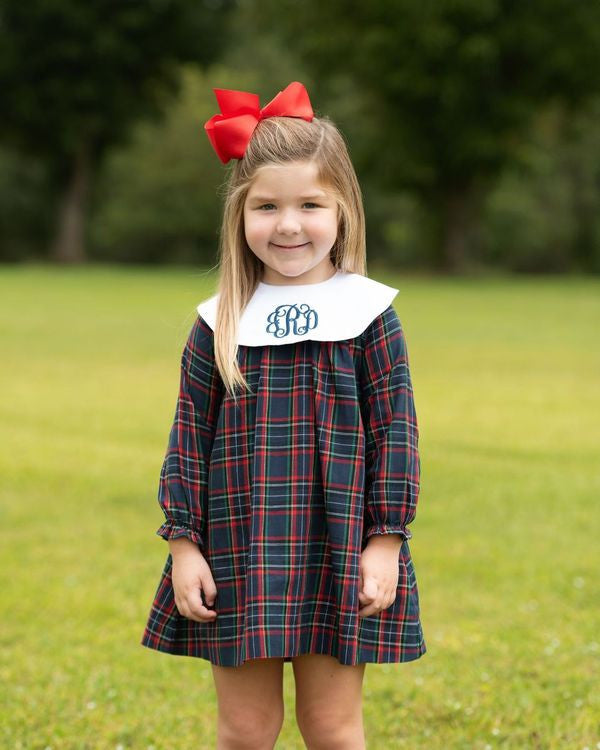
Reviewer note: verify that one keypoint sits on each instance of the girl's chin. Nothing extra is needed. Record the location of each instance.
(290, 262)
(290, 271)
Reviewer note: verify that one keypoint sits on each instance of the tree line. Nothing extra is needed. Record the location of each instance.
(473, 125)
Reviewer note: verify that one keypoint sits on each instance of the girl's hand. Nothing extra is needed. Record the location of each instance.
(379, 573)
(191, 574)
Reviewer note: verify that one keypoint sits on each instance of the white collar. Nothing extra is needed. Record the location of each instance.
(341, 307)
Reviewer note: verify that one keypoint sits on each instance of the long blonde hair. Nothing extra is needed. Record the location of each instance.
(277, 140)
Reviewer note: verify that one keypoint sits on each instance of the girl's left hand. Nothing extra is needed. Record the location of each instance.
(379, 573)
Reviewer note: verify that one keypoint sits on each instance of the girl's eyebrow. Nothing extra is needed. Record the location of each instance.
(269, 199)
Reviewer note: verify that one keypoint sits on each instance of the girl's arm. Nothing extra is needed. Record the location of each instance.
(392, 464)
(184, 474)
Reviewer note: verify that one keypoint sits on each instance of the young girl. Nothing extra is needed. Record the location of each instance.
(292, 469)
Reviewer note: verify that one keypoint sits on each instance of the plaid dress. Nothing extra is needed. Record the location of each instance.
(281, 492)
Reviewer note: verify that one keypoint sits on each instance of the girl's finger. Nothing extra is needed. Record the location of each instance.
(371, 609)
(206, 615)
(196, 607)
(368, 611)
(209, 590)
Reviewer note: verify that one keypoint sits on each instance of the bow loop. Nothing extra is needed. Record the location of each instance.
(233, 102)
(293, 101)
(229, 132)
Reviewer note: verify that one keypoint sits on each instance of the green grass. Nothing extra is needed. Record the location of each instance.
(506, 374)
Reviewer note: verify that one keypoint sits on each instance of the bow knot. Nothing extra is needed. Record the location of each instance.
(230, 131)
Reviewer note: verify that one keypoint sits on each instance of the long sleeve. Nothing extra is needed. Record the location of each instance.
(392, 463)
(184, 475)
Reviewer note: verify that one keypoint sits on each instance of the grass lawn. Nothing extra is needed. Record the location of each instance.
(506, 374)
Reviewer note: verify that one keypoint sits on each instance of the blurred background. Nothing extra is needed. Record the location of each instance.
(473, 124)
(474, 129)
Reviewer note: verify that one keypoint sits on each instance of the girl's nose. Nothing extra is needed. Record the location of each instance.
(288, 223)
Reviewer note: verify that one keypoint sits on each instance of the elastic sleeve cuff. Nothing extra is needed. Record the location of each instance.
(172, 530)
(389, 528)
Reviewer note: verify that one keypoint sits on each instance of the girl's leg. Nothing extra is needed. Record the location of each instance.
(250, 702)
(329, 702)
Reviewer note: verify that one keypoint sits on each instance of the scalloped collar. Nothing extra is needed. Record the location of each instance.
(341, 307)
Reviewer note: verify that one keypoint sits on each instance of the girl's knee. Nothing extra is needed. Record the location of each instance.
(324, 726)
(250, 704)
(249, 728)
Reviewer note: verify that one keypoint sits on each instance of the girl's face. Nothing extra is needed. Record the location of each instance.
(290, 222)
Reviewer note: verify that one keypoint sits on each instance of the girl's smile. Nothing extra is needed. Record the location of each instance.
(291, 223)
(291, 247)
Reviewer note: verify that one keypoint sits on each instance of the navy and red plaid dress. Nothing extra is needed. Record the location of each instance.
(281, 492)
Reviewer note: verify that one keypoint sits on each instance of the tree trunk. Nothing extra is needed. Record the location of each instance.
(584, 212)
(69, 242)
(456, 226)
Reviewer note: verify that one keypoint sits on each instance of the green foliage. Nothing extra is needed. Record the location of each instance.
(543, 213)
(75, 77)
(155, 198)
(73, 72)
(450, 85)
(26, 206)
(505, 539)
(159, 198)
(491, 103)
(447, 91)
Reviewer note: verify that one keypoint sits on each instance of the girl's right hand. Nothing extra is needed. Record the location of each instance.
(190, 575)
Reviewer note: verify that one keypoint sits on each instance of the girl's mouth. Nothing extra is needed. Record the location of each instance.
(289, 247)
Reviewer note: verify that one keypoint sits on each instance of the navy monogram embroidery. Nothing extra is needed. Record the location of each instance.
(291, 319)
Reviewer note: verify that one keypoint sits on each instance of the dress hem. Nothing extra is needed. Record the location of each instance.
(175, 651)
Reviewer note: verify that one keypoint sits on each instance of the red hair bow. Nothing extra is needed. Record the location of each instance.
(230, 132)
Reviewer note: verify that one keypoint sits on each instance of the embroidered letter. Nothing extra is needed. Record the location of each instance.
(291, 319)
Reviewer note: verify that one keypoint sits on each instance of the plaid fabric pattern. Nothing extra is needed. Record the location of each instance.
(281, 493)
